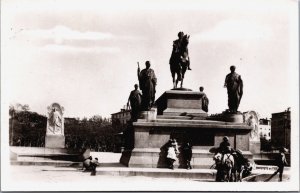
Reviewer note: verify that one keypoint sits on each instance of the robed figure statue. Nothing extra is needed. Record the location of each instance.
(234, 84)
(135, 100)
(147, 81)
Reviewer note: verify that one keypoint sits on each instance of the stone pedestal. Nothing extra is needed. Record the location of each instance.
(148, 115)
(180, 103)
(254, 147)
(179, 119)
(236, 118)
(55, 141)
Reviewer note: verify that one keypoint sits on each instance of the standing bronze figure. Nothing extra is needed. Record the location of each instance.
(135, 100)
(180, 61)
(147, 80)
(234, 84)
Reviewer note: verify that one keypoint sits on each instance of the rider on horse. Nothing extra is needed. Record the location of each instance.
(179, 60)
(177, 48)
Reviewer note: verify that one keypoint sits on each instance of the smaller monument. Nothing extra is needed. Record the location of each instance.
(252, 119)
(55, 127)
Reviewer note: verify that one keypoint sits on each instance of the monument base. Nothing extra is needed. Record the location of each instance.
(55, 141)
(180, 116)
(254, 147)
(181, 102)
(233, 117)
(148, 115)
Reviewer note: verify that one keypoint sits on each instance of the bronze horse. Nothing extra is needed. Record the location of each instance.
(179, 61)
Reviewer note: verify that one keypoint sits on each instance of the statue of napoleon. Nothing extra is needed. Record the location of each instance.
(147, 81)
(234, 84)
(180, 60)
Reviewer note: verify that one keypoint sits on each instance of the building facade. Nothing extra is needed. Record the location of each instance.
(281, 129)
(264, 130)
(120, 118)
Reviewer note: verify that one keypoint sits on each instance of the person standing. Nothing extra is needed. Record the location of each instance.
(234, 85)
(147, 80)
(172, 153)
(187, 155)
(135, 99)
(280, 162)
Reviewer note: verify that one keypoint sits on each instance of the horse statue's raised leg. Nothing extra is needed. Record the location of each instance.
(181, 83)
(174, 82)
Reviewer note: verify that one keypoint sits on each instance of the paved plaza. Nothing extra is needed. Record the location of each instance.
(30, 178)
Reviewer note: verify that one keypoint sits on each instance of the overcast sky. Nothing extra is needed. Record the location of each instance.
(84, 54)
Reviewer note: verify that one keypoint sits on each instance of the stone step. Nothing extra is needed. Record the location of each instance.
(185, 123)
(47, 163)
(49, 157)
(203, 174)
(174, 117)
(61, 163)
(37, 150)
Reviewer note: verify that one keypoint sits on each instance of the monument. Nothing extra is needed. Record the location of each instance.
(181, 114)
(55, 127)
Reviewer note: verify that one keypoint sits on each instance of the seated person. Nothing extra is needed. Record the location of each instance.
(87, 163)
(94, 164)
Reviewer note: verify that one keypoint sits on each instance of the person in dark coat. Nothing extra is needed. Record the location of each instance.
(187, 154)
(225, 146)
(280, 162)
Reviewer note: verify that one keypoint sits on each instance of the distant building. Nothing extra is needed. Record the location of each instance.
(119, 122)
(120, 118)
(264, 130)
(281, 129)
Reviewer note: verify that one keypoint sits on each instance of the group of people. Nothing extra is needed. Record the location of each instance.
(173, 152)
(241, 165)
